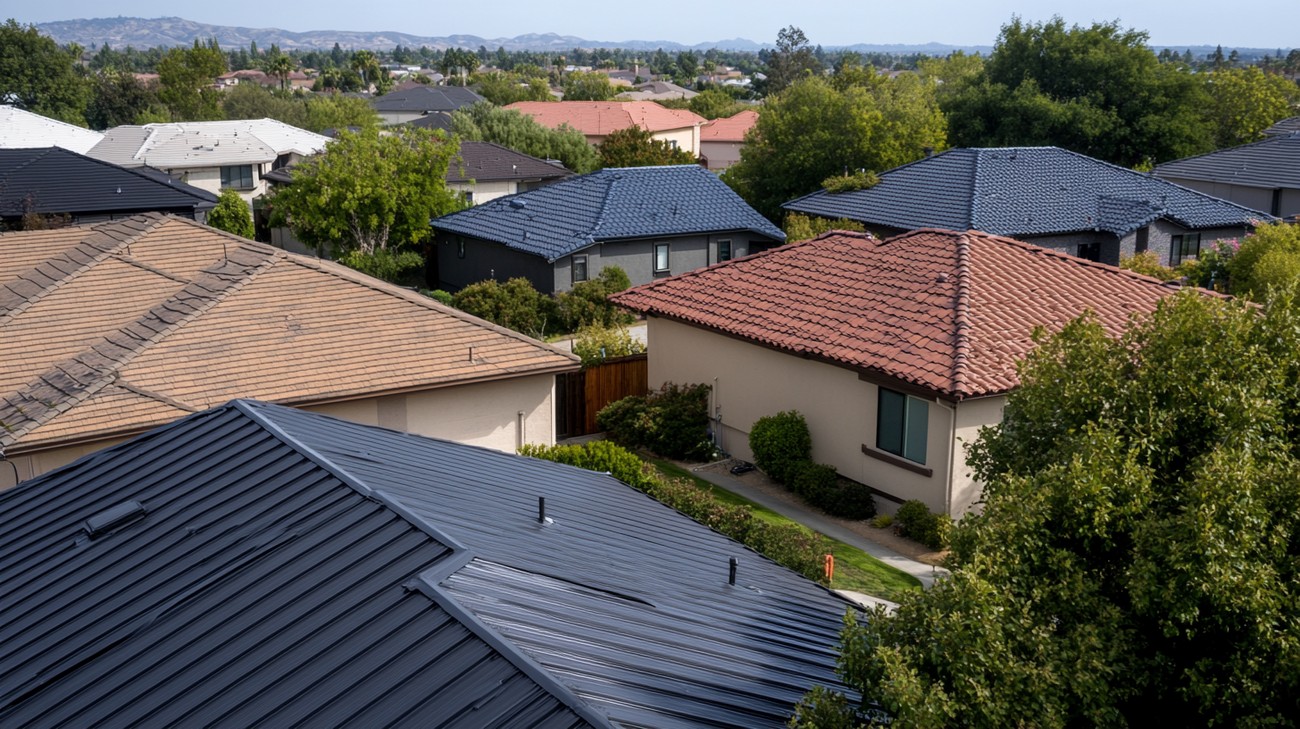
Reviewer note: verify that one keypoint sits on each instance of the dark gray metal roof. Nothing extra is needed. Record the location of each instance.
(1271, 163)
(426, 98)
(1286, 126)
(56, 180)
(1023, 191)
(291, 568)
(611, 204)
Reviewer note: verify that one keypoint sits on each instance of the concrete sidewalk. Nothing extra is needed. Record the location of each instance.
(927, 574)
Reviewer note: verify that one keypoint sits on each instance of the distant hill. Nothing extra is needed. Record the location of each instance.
(151, 32)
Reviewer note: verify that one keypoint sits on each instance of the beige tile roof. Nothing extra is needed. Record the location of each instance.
(945, 311)
(118, 327)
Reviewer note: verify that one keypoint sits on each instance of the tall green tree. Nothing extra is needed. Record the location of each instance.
(792, 60)
(1098, 90)
(812, 131)
(1246, 101)
(483, 122)
(503, 88)
(118, 98)
(186, 78)
(587, 86)
(370, 192)
(38, 76)
(635, 147)
(1137, 558)
(232, 215)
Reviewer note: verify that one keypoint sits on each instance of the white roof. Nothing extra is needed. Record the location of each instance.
(21, 129)
(205, 144)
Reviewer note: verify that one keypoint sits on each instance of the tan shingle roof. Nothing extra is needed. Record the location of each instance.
(948, 312)
(122, 326)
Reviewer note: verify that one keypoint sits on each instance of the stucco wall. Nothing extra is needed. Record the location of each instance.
(399, 117)
(1255, 198)
(484, 414)
(750, 381)
(721, 155)
(688, 138)
(971, 416)
(209, 178)
(485, 191)
(485, 260)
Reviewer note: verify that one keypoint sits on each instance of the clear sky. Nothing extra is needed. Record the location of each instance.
(1263, 24)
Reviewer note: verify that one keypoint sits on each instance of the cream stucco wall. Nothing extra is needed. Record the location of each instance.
(484, 414)
(751, 381)
(971, 416)
(688, 138)
(209, 178)
(485, 191)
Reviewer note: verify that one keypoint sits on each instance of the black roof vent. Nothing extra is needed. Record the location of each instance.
(113, 518)
(516, 204)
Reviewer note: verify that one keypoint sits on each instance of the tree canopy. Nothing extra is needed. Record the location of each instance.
(792, 60)
(186, 75)
(812, 131)
(635, 147)
(1137, 558)
(232, 215)
(370, 192)
(483, 122)
(38, 76)
(587, 86)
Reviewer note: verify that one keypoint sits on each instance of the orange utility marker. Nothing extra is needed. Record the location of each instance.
(830, 567)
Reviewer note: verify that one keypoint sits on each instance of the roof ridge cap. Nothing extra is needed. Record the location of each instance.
(962, 319)
(32, 160)
(73, 380)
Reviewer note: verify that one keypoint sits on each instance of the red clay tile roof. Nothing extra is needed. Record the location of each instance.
(123, 326)
(731, 129)
(603, 117)
(949, 312)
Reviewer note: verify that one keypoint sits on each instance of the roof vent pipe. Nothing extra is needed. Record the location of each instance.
(731, 571)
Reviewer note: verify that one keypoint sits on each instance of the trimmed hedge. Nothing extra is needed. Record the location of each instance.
(779, 443)
(916, 521)
(789, 545)
(819, 485)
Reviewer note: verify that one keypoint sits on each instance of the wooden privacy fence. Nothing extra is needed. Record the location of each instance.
(582, 394)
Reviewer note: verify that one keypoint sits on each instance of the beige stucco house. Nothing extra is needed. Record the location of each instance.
(597, 119)
(721, 139)
(896, 352)
(116, 328)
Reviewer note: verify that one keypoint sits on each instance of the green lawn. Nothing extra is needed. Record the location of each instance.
(854, 569)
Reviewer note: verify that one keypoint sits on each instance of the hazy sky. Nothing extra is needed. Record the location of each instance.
(1263, 24)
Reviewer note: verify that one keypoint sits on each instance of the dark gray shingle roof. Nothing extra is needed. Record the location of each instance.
(55, 180)
(292, 568)
(1270, 163)
(1023, 191)
(610, 204)
(485, 161)
(426, 98)
(1286, 126)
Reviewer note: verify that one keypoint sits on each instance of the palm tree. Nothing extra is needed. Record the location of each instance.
(280, 66)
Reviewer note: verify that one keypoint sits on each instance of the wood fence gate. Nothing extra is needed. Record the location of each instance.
(580, 395)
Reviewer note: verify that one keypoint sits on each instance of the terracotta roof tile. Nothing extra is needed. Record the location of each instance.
(598, 118)
(730, 129)
(184, 316)
(945, 311)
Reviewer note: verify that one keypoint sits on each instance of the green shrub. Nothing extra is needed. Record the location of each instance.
(596, 343)
(672, 421)
(778, 442)
(919, 523)
(514, 305)
(1148, 264)
(860, 180)
(404, 268)
(813, 482)
(884, 521)
(232, 214)
(588, 302)
(440, 296)
(849, 500)
(803, 227)
(793, 546)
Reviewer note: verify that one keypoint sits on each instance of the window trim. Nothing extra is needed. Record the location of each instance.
(228, 179)
(668, 263)
(1178, 243)
(573, 268)
(730, 251)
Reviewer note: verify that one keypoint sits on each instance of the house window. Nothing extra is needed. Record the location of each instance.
(1143, 240)
(239, 177)
(724, 250)
(579, 268)
(1183, 247)
(1089, 251)
(901, 425)
(661, 258)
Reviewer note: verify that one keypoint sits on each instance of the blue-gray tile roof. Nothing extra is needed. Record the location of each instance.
(611, 204)
(1270, 163)
(290, 568)
(1023, 191)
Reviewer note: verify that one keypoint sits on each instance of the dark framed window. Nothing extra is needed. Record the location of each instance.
(1143, 240)
(579, 268)
(661, 258)
(239, 177)
(902, 422)
(724, 250)
(1089, 251)
(1183, 247)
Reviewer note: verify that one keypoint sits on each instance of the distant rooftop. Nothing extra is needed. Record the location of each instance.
(205, 144)
(21, 129)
